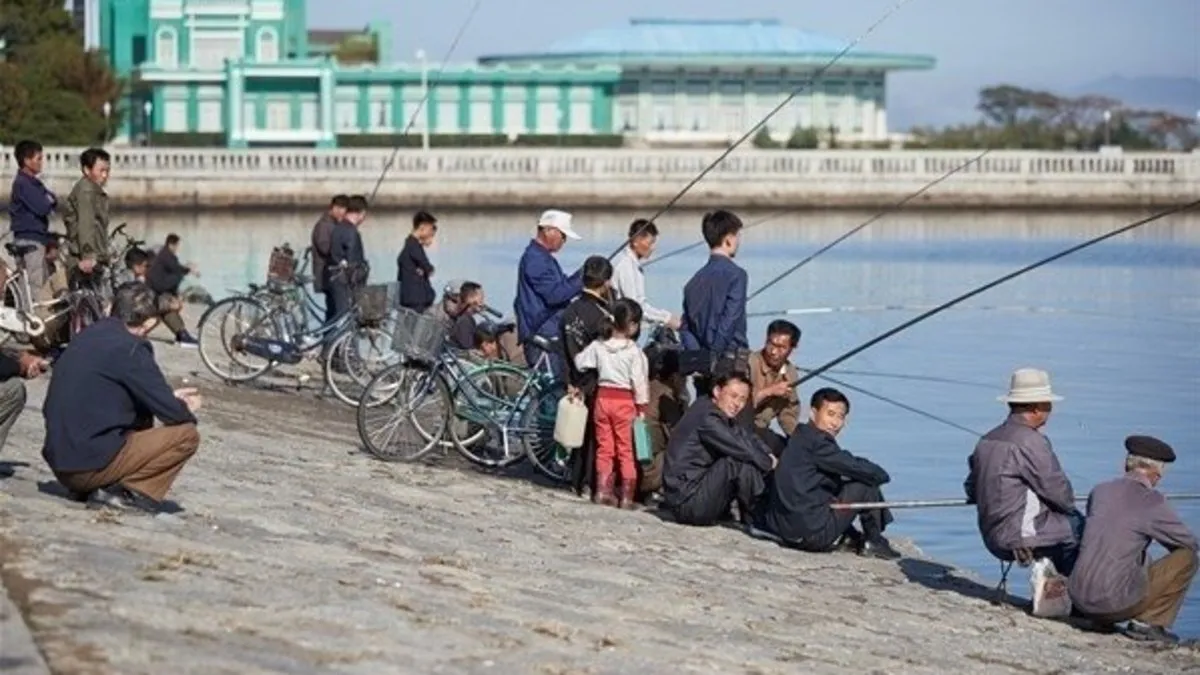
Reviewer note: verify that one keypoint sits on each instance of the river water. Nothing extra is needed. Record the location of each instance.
(1117, 326)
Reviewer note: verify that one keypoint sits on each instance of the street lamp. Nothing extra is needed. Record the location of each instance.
(1107, 127)
(148, 109)
(107, 110)
(424, 112)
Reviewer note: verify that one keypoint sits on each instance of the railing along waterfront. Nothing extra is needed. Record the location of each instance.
(493, 177)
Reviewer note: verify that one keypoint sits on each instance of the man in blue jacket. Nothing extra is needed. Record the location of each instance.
(714, 302)
(543, 290)
(29, 209)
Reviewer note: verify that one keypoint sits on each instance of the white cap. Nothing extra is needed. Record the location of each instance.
(559, 220)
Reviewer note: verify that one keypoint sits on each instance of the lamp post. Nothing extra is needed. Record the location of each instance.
(148, 109)
(424, 100)
(107, 110)
(1107, 127)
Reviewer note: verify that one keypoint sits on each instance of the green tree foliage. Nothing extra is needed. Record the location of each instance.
(357, 49)
(804, 138)
(1018, 118)
(51, 89)
(763, 139)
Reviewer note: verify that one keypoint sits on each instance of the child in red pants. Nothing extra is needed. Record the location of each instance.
(624, 392)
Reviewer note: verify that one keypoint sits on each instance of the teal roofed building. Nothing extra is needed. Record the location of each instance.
(710, 80)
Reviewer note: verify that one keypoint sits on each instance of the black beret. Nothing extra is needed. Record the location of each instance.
(1150, 448)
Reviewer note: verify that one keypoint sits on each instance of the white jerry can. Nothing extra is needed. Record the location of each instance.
(570, 423)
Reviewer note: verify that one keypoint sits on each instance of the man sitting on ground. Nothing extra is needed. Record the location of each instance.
(164, 277)
(815, 472)
(100, 407)
(712, 461)
(1026, 507)
(1114, 580)
(470, 302)
(13, 369)
(771, 376)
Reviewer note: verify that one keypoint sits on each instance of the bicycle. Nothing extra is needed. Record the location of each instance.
(93, 292)
(20, 318)
(430, 372)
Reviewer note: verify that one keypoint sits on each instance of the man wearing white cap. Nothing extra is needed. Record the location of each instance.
(1024, 500)
(543, 290)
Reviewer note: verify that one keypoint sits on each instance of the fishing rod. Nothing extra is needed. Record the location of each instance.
(858, 228)
(437, 77)
(1028, 309)
(992, 284)
(758, 125)
(949, 503)
(903, 406)
(906, 376)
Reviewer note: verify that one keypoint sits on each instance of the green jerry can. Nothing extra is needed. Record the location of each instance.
(643, 445)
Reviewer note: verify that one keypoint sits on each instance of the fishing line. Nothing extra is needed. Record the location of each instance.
(1028, 309)
(856, 229)
(942, 503)
(754, 129)
(462, 29)
(898, 404)
(890, 209)
(992, 284)
(906, 376)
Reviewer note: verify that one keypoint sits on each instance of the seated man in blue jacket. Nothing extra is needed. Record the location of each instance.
(101, 441)
(543, 290)
(714, 301)
(814, 473)
(711, 460)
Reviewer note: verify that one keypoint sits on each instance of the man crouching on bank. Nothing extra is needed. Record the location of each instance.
(101, 441)
(1114, 580)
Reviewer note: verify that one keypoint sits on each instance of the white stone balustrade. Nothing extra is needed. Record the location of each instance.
(218, 178)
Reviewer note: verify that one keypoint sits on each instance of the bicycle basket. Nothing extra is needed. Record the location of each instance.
(418, 336)
(282, 264)
(373, 302)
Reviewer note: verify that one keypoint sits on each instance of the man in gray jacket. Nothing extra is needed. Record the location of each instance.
(1115, 580)
(1024, 500)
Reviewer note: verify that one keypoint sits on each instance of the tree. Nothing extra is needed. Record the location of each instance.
(357, 49)
(763, 139)
(24, 23)
(804, 138)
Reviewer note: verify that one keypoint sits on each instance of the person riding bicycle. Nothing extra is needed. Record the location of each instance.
(85, 215)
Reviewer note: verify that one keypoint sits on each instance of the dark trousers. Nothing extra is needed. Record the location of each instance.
(583, 458)
(839, 522)
(342, 296)
(330, 305)
(727, 480)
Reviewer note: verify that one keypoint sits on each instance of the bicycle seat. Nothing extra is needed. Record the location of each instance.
(545, 344)
(19, 250)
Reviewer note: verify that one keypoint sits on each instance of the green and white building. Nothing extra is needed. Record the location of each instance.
(251, 72)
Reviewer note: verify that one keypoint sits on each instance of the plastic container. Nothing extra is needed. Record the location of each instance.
(570, 424)
(643, 445)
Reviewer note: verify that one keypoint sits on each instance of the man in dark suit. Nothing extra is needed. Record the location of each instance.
(348, 268)
(322, 236)
(414, 270)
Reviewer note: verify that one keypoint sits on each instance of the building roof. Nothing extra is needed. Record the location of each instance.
(710, 41)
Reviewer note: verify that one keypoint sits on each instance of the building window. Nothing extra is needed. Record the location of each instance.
(547, 117)
(381, 115)
(629, 116)
(166, 48)
(481, 117)
(514, 117)
(347, 116)
(249, 115)
(174, 117)
(309, 115)
(581, 117)
(210, 117)
(664, 117)
(279, 115)
(210, 50)
(268, 45)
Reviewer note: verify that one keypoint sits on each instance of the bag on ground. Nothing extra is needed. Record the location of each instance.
(1050, 597)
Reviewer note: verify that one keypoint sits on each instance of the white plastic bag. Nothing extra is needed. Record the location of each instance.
(1050, 597)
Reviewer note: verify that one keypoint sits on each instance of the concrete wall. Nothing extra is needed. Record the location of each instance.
(534, 179)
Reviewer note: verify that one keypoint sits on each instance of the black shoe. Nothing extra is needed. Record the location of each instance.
(850, 542)
(136, 500)
(880, 548)
(106, 498)
(1144, 632)
(186, 341)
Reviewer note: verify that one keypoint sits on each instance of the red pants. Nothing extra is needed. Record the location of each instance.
(613, 416)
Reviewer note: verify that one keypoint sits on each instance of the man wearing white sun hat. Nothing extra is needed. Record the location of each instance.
(543, 290)
(1024, 500)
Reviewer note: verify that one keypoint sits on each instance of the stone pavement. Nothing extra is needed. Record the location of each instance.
(298, 554)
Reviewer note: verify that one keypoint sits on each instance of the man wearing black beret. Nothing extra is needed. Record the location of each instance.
(1114, 580)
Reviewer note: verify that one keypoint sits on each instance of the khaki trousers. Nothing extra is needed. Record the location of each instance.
(1168, 580)
(148, 462)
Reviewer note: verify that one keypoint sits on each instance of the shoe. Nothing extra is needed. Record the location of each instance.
(604, 491)
(850, 542)
(628, 495)
(1144, 632)
(106, 498)
(880, 548)
(186, 341)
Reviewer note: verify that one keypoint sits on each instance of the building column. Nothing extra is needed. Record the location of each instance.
(881, 124)
(868, 117)
(325, 96)
(235, 93)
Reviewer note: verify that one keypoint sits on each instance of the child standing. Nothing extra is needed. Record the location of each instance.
(621, 398)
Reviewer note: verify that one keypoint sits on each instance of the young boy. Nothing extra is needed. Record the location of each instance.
(29, 209)
(85, 214)
(414, 269)
(470, 302)
(137, 263)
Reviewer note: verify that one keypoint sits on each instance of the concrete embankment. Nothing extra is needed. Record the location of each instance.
(296, 553)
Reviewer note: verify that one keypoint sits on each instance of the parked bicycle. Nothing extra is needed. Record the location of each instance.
(19, 315)
(495, 414)
(93, 292)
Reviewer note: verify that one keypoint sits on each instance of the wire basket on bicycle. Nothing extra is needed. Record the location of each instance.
(281, 267)
(375, 301)
(418, 337)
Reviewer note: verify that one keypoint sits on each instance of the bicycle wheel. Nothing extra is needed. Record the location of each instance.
(537, 434)
(223, 326)
(404, 412)
(354, 358)
(86, 309)
(485, 410)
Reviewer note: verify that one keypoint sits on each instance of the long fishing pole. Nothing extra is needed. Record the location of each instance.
(758, 125)
(903, 406)
(890, 209)
(992, 284)
(858, 228)
(1025, 309)
(949, 503)
(462, 29)
(911, 377)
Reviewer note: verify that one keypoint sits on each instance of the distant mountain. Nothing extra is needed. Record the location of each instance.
(1180, 95)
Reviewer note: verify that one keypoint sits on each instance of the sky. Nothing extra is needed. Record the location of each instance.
(1056, 44)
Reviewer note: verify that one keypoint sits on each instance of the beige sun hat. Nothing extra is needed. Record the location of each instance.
(1030, 385)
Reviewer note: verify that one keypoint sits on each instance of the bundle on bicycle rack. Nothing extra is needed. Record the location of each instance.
(281, 267)
(375, 301)
(418, 337)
